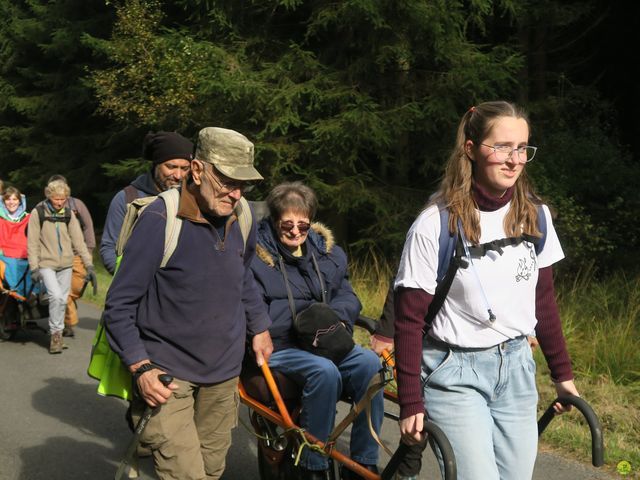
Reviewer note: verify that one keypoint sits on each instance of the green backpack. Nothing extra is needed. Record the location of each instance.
(105, 365)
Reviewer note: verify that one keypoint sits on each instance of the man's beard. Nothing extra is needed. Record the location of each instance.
(165, 185)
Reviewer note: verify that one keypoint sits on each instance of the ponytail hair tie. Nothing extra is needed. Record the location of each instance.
(472, 109)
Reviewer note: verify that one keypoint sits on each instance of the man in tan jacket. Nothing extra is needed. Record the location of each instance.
(54, 237)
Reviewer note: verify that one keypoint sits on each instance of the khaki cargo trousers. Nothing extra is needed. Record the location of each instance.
(190, 434)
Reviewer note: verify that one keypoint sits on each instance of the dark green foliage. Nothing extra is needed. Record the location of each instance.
(47, 112)
(352, 97)
(590, 178)
(358, 98)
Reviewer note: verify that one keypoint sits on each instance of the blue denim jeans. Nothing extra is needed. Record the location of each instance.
(485, 402)
(324, 383)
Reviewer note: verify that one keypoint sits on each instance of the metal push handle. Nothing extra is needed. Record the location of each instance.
(597, 442)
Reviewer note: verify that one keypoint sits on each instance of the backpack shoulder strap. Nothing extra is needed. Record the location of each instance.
(131, 215)
(446, 243)
(40, 210)
(130, 193)
(450, 253)
(73, 206)
(171, 199)
(245, 219)
(542, 226)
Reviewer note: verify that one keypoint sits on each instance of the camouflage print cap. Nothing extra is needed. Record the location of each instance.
(229, 151)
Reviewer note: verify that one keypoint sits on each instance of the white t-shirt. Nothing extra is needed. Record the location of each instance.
(508, 281)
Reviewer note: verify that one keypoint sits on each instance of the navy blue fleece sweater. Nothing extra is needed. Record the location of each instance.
(189, 317)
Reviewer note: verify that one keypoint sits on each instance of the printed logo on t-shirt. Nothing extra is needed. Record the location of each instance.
(526, 267)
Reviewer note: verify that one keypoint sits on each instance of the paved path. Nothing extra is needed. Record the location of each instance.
(54, 426)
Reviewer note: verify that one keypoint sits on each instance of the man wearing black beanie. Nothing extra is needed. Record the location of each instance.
(170, 155)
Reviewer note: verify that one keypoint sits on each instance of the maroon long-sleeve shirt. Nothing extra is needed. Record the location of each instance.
(410, 308)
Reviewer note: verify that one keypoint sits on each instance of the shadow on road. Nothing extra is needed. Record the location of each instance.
(78, 405)
(83, 460)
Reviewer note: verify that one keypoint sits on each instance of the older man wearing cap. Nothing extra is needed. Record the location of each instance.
(170, 155)
(191, 318)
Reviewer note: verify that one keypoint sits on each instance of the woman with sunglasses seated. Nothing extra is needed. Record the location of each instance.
(298, 264)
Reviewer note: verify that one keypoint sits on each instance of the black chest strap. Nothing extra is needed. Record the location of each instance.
(497, 245)
(66, 218)
(458, 260)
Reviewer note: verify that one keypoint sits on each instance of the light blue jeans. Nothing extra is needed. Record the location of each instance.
(324, 383)
(57, 284)
(485, 402)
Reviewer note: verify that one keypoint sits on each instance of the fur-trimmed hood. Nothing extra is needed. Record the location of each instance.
(320, 236)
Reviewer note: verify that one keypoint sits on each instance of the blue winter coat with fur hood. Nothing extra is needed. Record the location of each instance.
(303, 280)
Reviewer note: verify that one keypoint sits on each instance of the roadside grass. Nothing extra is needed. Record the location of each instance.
(370, 279)
(601, 322)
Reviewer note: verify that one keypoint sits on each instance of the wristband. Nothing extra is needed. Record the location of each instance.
(145, 367)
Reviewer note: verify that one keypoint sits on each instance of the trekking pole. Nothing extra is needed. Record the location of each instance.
(142, 423)
(597, 442)
(84, 287)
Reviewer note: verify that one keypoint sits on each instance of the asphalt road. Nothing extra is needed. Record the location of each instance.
(54, 426)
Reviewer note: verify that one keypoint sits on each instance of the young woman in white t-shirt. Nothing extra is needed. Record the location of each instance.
(473, 372)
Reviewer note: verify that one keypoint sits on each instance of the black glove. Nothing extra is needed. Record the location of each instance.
(36, 276)
(91, 277)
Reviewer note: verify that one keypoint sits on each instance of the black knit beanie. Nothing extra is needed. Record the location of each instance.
(162, 146)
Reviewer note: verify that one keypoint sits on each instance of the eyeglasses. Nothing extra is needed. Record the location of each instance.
(288, 225)
(228, 185)
(505, 152)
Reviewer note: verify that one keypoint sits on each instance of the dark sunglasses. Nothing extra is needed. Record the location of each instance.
(288, 225)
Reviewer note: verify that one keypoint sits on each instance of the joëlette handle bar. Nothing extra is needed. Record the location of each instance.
(597, 443)
(368, 323)
(84, 287)
(85, 282)
(441, 441)
(430, 428)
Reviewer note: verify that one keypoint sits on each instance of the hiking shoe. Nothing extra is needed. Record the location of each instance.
(68, 331)
(56, 344)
